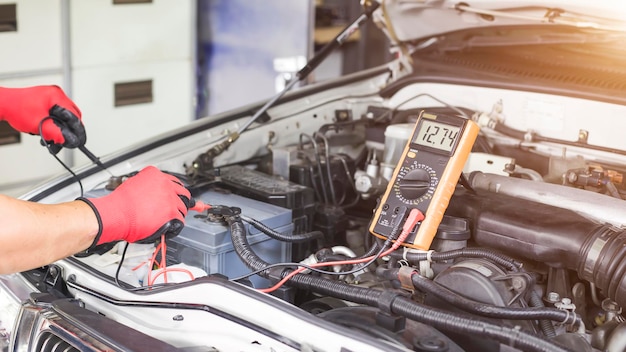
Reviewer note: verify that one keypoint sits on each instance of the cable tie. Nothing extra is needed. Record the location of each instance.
(405, 251)
(574, 320)
(573, 323)
(566, 317)
(429, 255)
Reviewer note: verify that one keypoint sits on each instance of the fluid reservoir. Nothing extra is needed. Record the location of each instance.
(396, 137)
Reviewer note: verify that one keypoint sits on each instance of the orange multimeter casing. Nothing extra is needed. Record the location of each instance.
(426, 175)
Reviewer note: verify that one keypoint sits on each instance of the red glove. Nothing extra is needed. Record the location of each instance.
(25, 108)
(141, 209)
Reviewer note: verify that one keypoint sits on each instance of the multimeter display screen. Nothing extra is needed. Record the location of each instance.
(436, 135)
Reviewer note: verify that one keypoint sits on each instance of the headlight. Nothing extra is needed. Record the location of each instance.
(13, 290)
(9, 308)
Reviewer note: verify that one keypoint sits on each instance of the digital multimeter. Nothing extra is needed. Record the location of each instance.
(426, 175)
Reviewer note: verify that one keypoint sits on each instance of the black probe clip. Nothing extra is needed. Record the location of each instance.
(54, 149)
(93, 158)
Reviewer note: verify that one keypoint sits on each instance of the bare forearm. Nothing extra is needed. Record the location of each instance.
(34, 234)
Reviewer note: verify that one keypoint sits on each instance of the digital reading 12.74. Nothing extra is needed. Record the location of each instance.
(426, 176)
(436, 135)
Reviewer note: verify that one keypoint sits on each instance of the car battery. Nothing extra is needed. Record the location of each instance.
(205, 241)
(272, 190)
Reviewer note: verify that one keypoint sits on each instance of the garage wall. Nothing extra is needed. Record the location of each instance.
(145, 49)
(247, 49)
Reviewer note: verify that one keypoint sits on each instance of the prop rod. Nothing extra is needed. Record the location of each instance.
(318, 58)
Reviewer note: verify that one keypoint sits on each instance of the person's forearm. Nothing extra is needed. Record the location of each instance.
(34, 234)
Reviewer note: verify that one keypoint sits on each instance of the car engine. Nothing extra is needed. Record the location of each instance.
(529, 255)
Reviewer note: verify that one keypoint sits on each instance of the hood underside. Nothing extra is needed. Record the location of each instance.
(414, 20)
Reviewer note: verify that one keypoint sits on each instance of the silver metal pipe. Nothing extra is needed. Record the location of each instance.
(597, 206)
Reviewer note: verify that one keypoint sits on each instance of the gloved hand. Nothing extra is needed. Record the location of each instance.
(142, 208)
(25, 108)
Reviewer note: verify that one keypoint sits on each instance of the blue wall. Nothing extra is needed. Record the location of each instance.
(238, 41)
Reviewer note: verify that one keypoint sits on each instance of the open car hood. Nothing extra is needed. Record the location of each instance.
(415, 20)
(308, 245)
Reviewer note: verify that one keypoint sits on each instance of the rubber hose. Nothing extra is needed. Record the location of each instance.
(497, 258)
(410, 309)
(239, 238)
(544, 324)
(491, 311)
(333, 258)
(297, 238)
(443, 320)
(437, 318)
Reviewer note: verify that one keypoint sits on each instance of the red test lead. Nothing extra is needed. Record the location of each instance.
(198, 205)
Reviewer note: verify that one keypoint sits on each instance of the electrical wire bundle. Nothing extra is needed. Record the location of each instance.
(414, 217)
(159, 266)
(390, 301)
(320, 170)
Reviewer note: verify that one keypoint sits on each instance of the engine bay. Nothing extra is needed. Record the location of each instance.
(528, 256)
(466, 195)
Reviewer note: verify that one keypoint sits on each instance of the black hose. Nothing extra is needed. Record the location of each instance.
(242, 246)
(331, 257)
(443, 320)
(489, 310)
(398, 305)
(544, 324)
(535, 301)
(501, 259)
(296, 238)
(435, 317)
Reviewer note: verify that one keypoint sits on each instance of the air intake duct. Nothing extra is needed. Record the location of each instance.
(603, 262)
(558, 237)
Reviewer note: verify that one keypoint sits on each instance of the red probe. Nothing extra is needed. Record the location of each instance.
(198, 205)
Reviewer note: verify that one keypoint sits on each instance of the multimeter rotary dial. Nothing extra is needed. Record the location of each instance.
(415, 183)
(426, 176)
